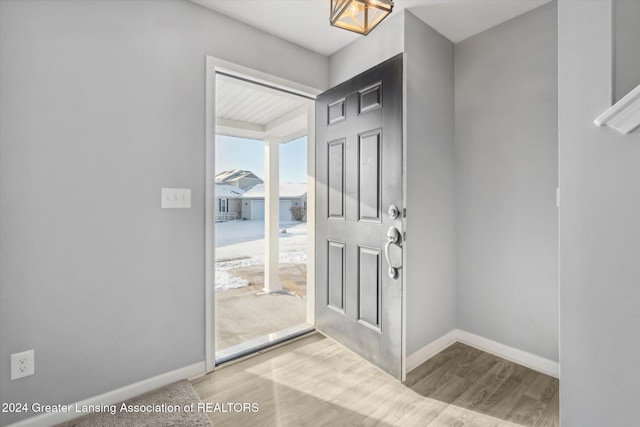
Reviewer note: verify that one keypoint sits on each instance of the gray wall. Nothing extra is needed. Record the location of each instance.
(366, 52)
(430, 185)
(102, 104)
(506, 169)
(599, 231)
(627, 52)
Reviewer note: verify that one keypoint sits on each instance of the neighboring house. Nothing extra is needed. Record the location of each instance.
(238, 178)
(290, 195)
(228, 204)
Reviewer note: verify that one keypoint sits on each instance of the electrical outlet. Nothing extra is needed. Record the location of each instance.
(22, 364)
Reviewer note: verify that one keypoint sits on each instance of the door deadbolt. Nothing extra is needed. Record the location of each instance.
(393, 212)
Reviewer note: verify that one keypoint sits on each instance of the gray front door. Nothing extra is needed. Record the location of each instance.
(358, 185)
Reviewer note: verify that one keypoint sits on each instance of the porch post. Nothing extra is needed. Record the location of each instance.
(272, 215)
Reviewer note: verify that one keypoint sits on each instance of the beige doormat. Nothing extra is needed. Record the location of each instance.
(172, 405)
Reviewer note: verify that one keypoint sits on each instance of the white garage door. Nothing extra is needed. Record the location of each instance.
(285, 213)
(257, 210)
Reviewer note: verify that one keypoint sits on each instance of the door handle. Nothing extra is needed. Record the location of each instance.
(393, 237)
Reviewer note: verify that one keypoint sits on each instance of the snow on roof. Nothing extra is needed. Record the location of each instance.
(287, 190)
(235, 174)
(226, 191)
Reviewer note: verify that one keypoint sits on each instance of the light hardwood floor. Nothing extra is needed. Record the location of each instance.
(316, 382)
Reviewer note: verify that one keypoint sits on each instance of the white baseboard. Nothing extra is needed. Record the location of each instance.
(520, 357)
(115, 396)
(537, 363)
(428, 351)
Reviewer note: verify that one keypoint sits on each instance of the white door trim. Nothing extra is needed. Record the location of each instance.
(214, 65)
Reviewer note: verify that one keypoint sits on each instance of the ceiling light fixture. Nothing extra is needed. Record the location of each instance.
(359, 16)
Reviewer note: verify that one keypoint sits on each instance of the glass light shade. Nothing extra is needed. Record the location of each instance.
(359, 16)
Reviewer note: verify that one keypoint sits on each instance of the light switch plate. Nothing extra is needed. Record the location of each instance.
(175, 198)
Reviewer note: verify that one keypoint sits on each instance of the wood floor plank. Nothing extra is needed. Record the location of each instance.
(452, 416)
(477, 395)
(526, 412)
(411, 409)
(449, 364)
(451, 390)
(512, 397)
(498, 398)
(469, 418)
(421, 416)
(315, 382)
(543, 388)
(479, 367)
(551, 415)
(444, 358)
(431, 382)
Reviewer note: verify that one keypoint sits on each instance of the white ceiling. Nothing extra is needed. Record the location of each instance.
(306, 22)
(247, 110)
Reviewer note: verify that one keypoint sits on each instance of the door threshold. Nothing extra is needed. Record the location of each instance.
(258, 344)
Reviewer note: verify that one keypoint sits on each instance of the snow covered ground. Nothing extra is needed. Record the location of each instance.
(241, 244)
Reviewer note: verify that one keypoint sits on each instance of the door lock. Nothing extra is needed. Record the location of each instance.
(393, 212)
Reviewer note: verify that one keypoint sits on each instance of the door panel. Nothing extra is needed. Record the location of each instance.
(336, 178)
(336, 275)
(369, 176)
(358, 176)
(369, 281)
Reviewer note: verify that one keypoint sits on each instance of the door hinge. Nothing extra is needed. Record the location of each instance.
(404, 212)
(404, 236)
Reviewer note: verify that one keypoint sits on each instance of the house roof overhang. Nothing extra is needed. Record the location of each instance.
(248, 110)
